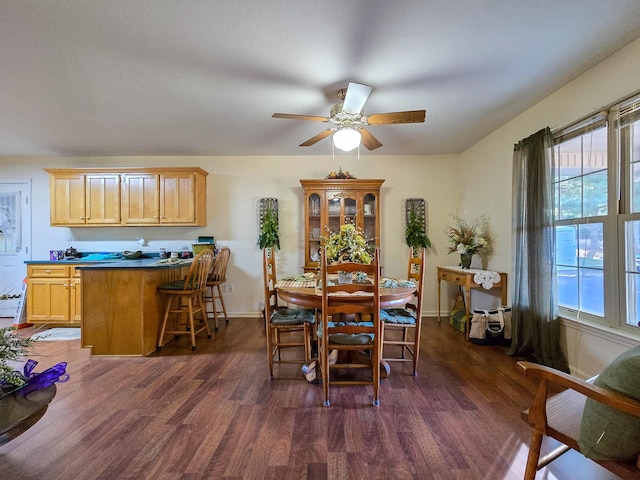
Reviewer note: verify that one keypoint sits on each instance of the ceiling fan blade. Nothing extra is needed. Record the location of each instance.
(368, 140)
(355, 97)
(412, 116)
(317, 138)
(300, 117)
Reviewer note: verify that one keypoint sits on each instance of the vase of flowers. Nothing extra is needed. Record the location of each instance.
(347, 245)
(468, 238)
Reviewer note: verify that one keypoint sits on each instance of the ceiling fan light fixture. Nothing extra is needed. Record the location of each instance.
(346, 139)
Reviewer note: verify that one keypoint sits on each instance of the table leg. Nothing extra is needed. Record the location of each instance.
(439, 300)
(467, 306)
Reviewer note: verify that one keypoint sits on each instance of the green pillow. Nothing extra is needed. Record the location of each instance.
(606, 433)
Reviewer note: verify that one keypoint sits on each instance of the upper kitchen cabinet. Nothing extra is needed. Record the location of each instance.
(145, 196)
(330, 203)
(79, 199)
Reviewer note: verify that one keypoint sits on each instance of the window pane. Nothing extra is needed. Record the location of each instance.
(568, 287)
(592, 291)
(635, 166)
(595, 194)
(569, 200)
(590, 245)
(10, 218)
(567, 246)
(632, 271)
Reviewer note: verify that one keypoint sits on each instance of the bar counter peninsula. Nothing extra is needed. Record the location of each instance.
(121, 309)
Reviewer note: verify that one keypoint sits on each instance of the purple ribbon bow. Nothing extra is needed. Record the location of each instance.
(36, 381)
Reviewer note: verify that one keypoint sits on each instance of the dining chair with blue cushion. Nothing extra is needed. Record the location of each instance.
(407, 321)
(184, 298)
(350, 327)
(283, 325)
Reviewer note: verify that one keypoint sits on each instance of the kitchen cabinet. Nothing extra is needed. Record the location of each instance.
(85, 199)
(330, 203)
(53, 294)
(171, 196)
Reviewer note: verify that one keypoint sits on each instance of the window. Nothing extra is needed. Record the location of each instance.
(597, 217)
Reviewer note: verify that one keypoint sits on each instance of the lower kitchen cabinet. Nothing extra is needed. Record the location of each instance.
(53, 294)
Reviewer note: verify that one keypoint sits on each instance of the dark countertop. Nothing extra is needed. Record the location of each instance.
(147, 260)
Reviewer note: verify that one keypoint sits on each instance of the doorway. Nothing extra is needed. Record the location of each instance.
(15, 242)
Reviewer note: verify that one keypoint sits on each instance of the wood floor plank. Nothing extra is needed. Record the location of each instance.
(213, 413)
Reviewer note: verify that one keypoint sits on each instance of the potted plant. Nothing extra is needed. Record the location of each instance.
(12, 349)
(415, 234)
(468, 238)
(269, 230)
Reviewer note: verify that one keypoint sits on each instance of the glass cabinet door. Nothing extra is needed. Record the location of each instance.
(369, 218)
(315, 227)
(341, 209)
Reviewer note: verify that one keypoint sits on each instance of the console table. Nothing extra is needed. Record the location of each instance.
(465, 278)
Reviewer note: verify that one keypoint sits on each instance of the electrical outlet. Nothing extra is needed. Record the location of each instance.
(230, 287)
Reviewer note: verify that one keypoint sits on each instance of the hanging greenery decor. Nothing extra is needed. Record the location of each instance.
(415, 234)
(269, 229)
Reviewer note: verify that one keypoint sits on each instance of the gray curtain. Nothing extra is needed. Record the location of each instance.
(534, 316)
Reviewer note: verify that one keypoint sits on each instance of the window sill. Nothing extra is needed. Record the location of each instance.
(616, 335)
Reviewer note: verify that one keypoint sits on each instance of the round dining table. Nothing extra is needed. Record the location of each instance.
(309, 297)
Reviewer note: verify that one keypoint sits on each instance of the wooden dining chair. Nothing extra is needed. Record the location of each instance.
(282, 321)
(213, 292)
(407, 320)
(350, 326)
(184, 298)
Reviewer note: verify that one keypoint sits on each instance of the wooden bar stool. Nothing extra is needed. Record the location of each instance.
(213, 291)
(187, 295)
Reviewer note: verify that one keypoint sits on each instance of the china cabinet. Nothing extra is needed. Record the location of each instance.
(330, 203)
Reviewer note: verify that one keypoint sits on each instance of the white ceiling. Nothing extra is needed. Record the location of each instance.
(189, 77)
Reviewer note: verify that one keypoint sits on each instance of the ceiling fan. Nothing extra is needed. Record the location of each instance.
(349, 121)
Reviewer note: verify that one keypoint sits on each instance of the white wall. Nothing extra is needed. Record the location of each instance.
(486, 181)
(234, 186)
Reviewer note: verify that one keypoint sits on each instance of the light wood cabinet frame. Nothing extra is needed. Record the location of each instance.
(330, 203)
(171, 196)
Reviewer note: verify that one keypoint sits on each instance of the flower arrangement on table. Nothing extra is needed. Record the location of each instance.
(347, 245)
(12, 349)
(468, 238)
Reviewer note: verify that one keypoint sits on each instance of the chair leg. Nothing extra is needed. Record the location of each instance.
(224, 308)
(210, 300)
(191, 324)
(307, 343)
(416, 347)
(203, 312)
(164, 322)
(534, 455)
(269, 333)
(324, 361)
(375, 363)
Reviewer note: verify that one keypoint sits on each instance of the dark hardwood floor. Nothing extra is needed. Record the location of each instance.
(213, 413)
